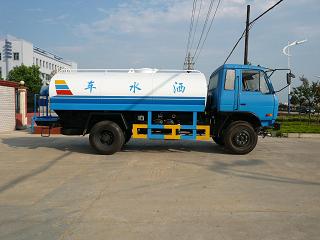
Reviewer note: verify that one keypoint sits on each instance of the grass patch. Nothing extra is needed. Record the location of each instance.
(298, 124)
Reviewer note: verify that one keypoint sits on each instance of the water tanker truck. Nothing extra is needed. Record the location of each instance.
(236, 105)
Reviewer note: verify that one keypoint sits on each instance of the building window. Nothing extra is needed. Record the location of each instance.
(43, 62)
(50, 66)
(37, 61)
(0, 73)
(0, 56)
(46, 64)
(40, 62)
(15, 56)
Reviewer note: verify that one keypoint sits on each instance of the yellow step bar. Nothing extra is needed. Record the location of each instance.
(174, 135)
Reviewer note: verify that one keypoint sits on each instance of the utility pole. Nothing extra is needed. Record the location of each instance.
(246, 44)
(189, 63)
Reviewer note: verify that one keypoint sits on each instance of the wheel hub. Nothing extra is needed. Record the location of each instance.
(106, 138)
(242, 138)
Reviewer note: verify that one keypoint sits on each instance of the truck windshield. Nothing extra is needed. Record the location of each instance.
(254, 81)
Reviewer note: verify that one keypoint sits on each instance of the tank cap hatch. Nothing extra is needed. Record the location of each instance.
(143, 70)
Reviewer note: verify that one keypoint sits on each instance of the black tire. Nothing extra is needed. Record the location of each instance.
(106, 137)
(240, 138)
(218, 140)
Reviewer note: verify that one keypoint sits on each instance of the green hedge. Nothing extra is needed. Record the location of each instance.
(299, 118)
(299, 124)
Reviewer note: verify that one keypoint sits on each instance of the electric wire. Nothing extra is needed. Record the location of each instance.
(250, 26)
(191, 26)
(234, 47)
(205, 25)
(206, 36)
(272, 7)
(196, 25)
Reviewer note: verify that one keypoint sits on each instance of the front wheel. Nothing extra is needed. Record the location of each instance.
(240, 138)
(106, 137)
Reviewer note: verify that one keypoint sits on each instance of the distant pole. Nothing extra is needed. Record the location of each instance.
(189, 64)
(289, 87)
(246, 44)
(286, 51)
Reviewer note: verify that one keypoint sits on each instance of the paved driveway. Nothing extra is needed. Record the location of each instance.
(58, 188)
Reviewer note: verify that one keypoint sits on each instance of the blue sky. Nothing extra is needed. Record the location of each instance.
(136, 33)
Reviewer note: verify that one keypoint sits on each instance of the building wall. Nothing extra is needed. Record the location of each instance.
(7, 109)
(48, 64)
(1, 58)
(30, 55)
(25, 51)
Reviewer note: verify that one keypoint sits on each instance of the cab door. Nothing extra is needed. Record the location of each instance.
(255, 94)
(229, 86)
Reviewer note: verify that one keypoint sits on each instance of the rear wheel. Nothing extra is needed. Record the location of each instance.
(106, 137)
(240, 138)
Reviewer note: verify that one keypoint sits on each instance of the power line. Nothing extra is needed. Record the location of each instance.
(191, 26)
(205, 25)
(234, 47)
(266, 12)
(250, 26)
(196, 26)
(206, 36)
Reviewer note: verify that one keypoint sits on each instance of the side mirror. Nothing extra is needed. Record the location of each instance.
(289, 77)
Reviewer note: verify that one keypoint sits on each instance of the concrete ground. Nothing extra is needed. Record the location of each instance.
(58, 188)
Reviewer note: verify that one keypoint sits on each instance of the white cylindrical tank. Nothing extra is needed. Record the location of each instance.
(128, 90)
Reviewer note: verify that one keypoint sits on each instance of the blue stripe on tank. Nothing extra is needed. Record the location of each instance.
(127, 101)
(60, 87)
(128, 97)
(128, 107)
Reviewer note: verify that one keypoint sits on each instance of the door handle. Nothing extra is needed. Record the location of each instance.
(243, 104)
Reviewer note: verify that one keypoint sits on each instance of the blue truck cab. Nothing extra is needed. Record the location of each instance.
(243, 89)
(243, 94)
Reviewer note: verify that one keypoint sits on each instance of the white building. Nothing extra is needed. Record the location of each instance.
(15, 52)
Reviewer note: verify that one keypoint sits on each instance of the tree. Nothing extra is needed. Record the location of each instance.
(306, 94)
(297, 97)
(317, 98)
(30, 75)
(283, 107)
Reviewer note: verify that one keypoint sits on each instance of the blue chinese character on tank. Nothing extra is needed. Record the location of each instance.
(134, 87)
(178, 87)
(90, 86)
